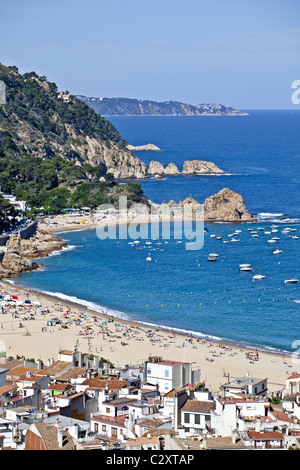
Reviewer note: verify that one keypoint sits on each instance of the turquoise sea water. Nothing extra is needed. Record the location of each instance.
(180, 288)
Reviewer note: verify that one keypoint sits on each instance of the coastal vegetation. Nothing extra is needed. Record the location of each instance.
(55, 151)
(8, 215)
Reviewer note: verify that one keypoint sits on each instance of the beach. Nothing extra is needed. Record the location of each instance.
(28, 331)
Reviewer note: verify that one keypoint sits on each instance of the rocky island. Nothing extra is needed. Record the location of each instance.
(190, 167)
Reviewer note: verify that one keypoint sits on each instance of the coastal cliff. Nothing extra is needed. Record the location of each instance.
(40, 121)
(18, 253)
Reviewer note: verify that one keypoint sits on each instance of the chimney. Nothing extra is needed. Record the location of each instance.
(234, 437)
(60, 437)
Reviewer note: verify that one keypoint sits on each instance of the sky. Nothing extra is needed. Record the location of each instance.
(239, 53)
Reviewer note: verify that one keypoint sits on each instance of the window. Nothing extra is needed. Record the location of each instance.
(114, 432)
(149, 371)
(107, 410)
(96, 427)
(186, 417)
(104, 427)
(166, 373)
(166, 386)
(197, 419)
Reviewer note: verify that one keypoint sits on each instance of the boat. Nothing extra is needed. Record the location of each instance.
(245, 267)
(149, 258)
(215, 255)
(258, 276)
(212, 258)
(276, 252)
(291, 281)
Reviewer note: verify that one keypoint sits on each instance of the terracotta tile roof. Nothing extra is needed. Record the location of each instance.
(200, 406)
(168, 363)
(151, 423)
(32, 379)
(70, 397)
(143, 440)
(116, 421)
(281, 416)
(100, 383)
(295, 375)
(223, 442)
(265, 436)
(72, 373)
(55, 368)
(59, 387)
(9, 364)
(49, 435)
(18, 371)
(7, 388)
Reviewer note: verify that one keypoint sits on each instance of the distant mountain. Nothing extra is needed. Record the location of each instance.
(134, 107)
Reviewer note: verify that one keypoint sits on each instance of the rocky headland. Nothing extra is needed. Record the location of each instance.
(225, 206)
(18, 254)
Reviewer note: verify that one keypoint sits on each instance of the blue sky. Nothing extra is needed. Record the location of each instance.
(240, 53)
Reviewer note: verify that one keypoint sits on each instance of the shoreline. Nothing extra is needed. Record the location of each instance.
(130, 321)
(212, 356)
(274, 364)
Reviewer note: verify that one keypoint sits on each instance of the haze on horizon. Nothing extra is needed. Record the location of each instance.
(236, 53)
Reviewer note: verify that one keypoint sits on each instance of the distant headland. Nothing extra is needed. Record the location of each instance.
(135, 107)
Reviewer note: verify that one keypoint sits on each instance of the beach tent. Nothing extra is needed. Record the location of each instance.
(37, 303)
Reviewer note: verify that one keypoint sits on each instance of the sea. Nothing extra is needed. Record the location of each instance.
(180, 289)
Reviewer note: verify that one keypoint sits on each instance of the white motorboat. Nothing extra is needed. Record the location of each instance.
(149, 258)
(245, 267)
(291, 281)
(258, 276)
(277, 252)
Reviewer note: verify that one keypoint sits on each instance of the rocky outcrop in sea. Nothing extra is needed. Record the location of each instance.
(192, 167)
(225, 206)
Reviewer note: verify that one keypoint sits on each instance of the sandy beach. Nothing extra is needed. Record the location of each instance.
(26, 331)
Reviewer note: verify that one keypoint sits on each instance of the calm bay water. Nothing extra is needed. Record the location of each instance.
(180, 288)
